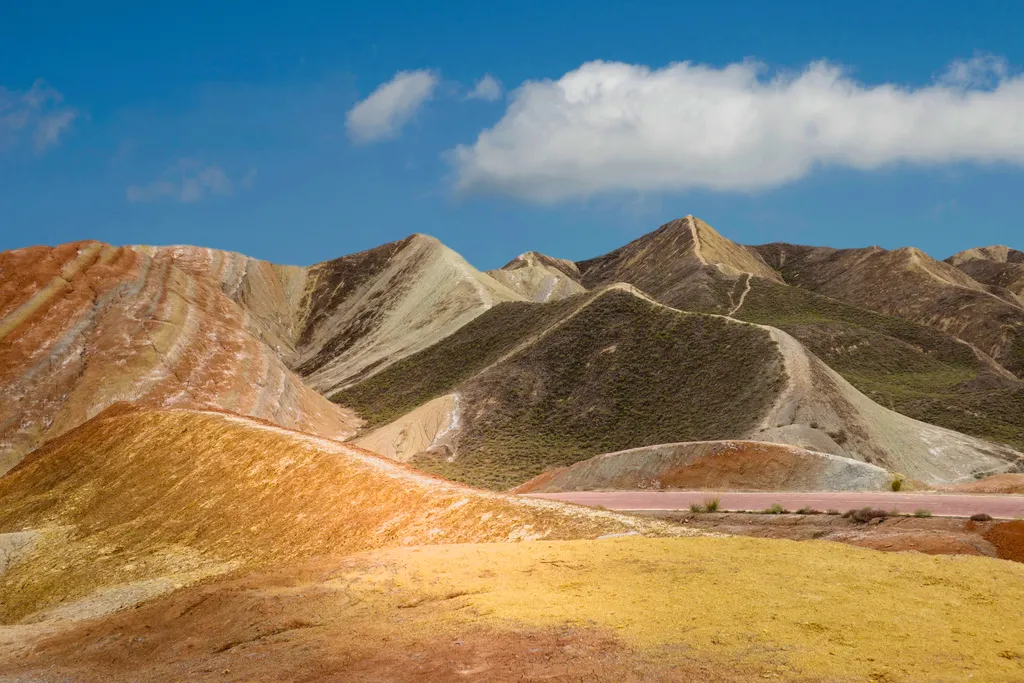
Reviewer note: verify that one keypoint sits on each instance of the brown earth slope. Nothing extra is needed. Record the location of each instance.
(909, 284)
(685, 264)
(137, 502)
(995, 266)
(85, 325)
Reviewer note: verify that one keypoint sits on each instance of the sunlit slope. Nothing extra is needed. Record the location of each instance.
(539, 277)
(695, 609)
(137, 496)
(363, 312)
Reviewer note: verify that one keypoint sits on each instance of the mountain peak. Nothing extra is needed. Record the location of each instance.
(996, 253)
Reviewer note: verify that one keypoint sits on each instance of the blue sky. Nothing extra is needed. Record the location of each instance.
(845, 124)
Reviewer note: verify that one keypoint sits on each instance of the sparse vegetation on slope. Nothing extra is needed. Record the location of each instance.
(437, 370)
(910, 368)
(622, 373)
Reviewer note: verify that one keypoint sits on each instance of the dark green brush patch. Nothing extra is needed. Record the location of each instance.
(623, 373)
(437, 370)
(913, 369)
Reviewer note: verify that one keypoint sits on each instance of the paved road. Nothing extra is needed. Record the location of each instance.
(951, 504)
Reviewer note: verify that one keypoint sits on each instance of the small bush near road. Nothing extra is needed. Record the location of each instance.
(711, 505)
(832, 511)
(921, 512)
(865, 514)
(897, 483)
(775, 509)
(981, 517)
(696, 507)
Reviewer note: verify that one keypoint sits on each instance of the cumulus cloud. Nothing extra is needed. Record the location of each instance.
(37, 112)
(188, 181)
(609, 127)
(388, 108)
(487, 89)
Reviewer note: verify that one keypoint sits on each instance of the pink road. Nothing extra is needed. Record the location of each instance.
(948, 504)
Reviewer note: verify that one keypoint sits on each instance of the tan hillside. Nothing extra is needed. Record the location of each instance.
(909, 284)
(365, 311)
(722, 465)
(139, 501)
(85, 325)
(685, 264)
(998, 266)
(548, 385)
(540, 278)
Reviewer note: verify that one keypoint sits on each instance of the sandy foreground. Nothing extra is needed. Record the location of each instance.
(623, 608)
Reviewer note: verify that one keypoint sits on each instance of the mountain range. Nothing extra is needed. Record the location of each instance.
(890, 358)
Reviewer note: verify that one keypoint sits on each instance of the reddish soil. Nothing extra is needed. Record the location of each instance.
(928, 535)
(734, 465)
(997, 483)
(956, 505)
(1008, 538)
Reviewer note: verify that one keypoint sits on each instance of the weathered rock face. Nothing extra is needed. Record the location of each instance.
(85, 325)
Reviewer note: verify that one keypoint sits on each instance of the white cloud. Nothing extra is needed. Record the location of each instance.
(37, 112)
(188, 181)
(981, 71)
(609, 127)
(487, 88)
(388, 108)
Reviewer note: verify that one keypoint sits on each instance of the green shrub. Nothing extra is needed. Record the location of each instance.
(696, 507)
(921, 512)
(897, 483)
(711, 504)
(775, 509)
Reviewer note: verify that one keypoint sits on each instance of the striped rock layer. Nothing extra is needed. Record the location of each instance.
(85, 325)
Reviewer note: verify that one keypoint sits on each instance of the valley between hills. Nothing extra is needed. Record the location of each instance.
(217, 468)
